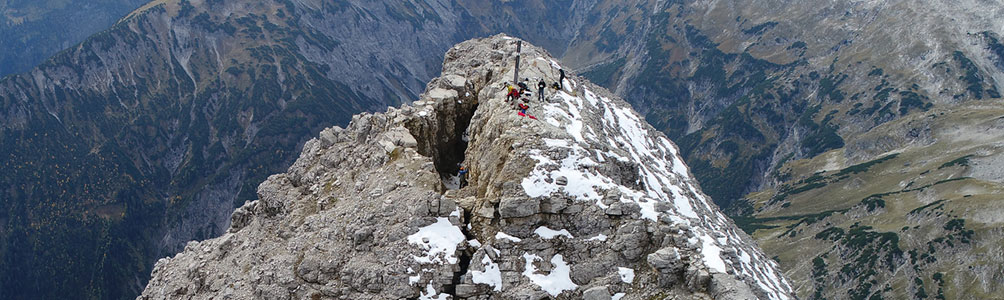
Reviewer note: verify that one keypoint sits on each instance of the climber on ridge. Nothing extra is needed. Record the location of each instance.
(513, 94)
(522, 111)
(463, 176)
(561, 81)
(540, 89)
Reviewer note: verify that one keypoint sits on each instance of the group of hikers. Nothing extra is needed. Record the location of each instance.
(519, 96)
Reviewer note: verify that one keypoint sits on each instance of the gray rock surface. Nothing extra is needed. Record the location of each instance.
(596, 293)
(586, 201)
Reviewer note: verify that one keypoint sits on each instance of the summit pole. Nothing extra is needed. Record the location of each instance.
(515, 75)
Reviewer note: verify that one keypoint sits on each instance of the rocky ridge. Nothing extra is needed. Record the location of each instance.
(585, 201)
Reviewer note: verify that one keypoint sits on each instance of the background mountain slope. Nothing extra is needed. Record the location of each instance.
(845, 120)
(757, 72)
(31, 31)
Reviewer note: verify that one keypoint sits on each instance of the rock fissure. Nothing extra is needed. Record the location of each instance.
(444, 138)
(464, 259)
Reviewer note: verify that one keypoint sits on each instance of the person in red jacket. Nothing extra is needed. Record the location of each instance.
(513, 94)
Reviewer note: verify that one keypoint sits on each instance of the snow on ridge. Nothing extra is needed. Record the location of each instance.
(712, 254)
(624, 136)
(581, 184)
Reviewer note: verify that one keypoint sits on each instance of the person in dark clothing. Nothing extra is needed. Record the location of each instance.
(540, 90)
(561, 81)
(522, 87)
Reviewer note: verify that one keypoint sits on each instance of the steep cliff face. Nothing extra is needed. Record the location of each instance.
(583, 200)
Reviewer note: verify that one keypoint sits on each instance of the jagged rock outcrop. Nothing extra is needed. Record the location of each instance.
(583, 201)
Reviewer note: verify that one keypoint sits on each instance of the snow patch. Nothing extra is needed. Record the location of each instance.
(503, 236)
(439, 239)
(413, 279)
(548, 233)
(572, 114)
(491, 276)
(553, 143)
(553, 283)
(430, 294)
(452, 182)
(599, 237)
(617, 296)
(627, 274)
(712, 254)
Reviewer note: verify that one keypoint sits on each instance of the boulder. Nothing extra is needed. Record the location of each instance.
(518, 207)
(596, 293)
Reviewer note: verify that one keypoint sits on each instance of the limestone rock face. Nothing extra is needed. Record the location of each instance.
(582, 201)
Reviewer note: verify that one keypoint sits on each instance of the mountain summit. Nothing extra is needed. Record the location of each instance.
(577, 198)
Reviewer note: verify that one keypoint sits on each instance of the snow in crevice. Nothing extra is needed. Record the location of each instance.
(452, 182)
(430, 294)
(492, 275)
(414, 278)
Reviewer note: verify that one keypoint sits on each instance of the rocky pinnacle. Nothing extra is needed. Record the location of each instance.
(584, 200)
